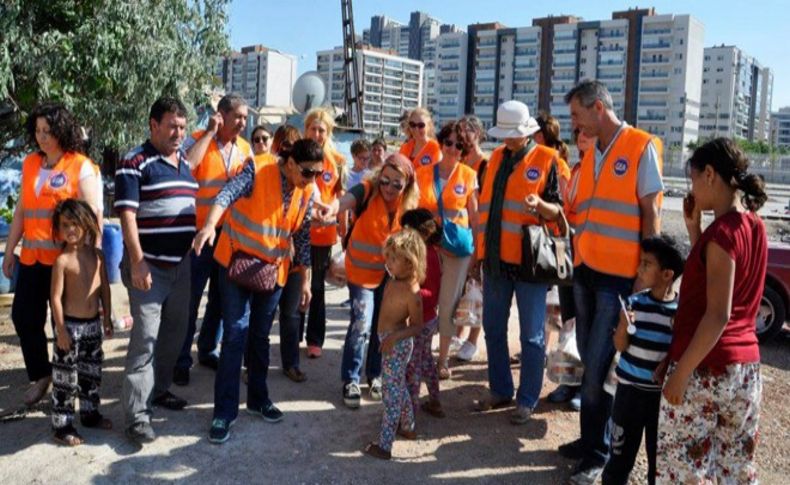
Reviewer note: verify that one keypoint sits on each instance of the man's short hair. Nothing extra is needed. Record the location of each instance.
(231, 101)
(167, 104)
(360, 146)
(588, 92)
(379, 142)
(667, 251)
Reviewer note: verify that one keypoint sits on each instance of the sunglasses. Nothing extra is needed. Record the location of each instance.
(419, 125)
(396, 184)
(260, 139)
(310, 174)
(458, 145)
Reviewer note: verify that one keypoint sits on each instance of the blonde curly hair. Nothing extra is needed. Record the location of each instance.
(408, 244)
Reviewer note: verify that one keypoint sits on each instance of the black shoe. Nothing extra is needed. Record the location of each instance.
(220, 431)
(211, 361)
(181, 376)
(586, 473)
(573, 450)
(141, 433)
(170, 401)
(269, 413)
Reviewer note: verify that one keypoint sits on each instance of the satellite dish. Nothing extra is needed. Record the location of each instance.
(309, 92)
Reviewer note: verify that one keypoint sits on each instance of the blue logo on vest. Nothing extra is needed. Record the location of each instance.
(57, 180)
(532, 174)
(459, 189)
(620, 167)
(426, 160)
(327, 177)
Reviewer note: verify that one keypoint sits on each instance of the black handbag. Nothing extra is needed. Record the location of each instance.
(547, 258)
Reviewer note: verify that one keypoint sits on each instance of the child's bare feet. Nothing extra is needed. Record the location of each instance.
(37, 390)
(434, 408)
(374, 450)
(68, 436)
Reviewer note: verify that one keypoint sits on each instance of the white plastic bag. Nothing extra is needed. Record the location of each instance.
(469, 312)
(336, 273)
(564, 366)
(610, 384)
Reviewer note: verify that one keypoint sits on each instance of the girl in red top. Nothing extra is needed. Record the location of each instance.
(711, 399)
(421, 367)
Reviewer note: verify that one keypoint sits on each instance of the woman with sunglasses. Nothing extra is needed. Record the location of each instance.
(377, 204)
(268, 218)
(421, 148)
(456, 184)
(261, 140)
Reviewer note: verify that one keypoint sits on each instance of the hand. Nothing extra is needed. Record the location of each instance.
(215, 123)
(475, 272)
(692, 216)
(205, 235)
(304, 301)
(661, 371)
(675, 388)
(8, 265)
(141, 276)
(324, 213)
(532, 202)
(108, 328)
(63, 340)
(387, 344)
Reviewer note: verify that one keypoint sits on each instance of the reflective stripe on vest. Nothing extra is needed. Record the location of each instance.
(37, 244)
(37, 213)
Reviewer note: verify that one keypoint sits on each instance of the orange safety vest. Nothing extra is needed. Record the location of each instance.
(455, 195)
(429, 155)
(364, 257)
(38, 244)
(528, 177)
(264, 159)
(608, 216)
(326, 235)
(212, 174)
(258, 225)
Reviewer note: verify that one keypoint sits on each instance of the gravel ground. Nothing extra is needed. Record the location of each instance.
(320, 440)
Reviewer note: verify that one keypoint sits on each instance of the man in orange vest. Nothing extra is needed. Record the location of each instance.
(617, 205)
(215, 155)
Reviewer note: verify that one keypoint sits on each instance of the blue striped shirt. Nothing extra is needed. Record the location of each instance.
(650, 344)
(163, 199)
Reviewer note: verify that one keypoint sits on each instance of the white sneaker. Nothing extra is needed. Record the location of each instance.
(455, 345)
(467, 352)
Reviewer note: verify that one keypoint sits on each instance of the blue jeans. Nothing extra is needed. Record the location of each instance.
(290, 319)
(204, 268)
(597, 312)
(531, 303)
(365, 305)
(243, 312)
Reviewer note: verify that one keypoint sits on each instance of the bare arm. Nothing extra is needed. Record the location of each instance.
(651, 222)
(196, 152)
(89, 192)
(621, 334)
(471, 208)
(106, 295)
(14, 236)
(63, 340)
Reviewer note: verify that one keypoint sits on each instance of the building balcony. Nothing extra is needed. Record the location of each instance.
(653, 118)
(450, 45)
(561, 37)
(611, 49)
(564, 64)
(449, 56)
(605, 34)
(654, 89)
(651, 61)
(526, 41)
(610, 63)
(526, 52)
(486, 56)
(656, 46)
(519, 77)
(656, 31)
(564, 51)
(525, 65)
(654, 75)
(487, 43)
(611, 76)
(656, 104)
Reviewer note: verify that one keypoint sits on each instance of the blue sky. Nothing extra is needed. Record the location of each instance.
(301, 27)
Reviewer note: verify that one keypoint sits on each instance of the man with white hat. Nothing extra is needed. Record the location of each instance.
(520, 187)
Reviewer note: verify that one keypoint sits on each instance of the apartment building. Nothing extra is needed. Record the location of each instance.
(450, 77)
(780, 128)
(264, 76)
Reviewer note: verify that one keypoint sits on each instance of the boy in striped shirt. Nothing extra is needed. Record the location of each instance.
(642, 337)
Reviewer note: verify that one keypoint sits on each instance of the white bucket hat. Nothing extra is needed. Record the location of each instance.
(513, 121)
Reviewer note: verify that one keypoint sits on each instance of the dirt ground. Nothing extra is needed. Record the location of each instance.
(319, 441)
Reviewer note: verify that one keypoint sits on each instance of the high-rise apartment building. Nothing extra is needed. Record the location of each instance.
(406, 40)
(265, 77)
(450, 81)
(780, 128)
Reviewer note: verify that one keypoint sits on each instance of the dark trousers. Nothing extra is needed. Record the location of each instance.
(290, 319)
(316, 321)
(29, 314)
(634, 410)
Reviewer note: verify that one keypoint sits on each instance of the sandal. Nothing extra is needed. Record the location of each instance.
(374, 450)
(95, 420)
(68, 436)
(433, 408)
(295, 374)
(406, 434)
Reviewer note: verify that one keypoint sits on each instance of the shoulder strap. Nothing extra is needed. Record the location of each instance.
(438, 191)
(358, 210)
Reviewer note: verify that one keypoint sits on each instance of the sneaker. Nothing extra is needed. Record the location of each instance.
(346, 304)
(140, 433)
(586, 473)
(269, 413)
(211, 361)
(455, 345)
(295, 374)
(576, 402)
(375, 389)
(572, 450)
(562, 394)
(181, 376)
(520, 415)
(170, 401)
(351, 395)
(220, 430)
(467, 352)
(313, 351)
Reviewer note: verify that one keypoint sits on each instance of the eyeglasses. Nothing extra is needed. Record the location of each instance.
(396, 184)
(310, 174)
(419, 125)
(260, 139)
(458, 145)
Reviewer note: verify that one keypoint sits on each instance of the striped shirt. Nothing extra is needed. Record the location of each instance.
(163, 199)
(650, 344)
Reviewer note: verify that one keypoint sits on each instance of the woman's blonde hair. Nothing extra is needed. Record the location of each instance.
(429, 127)
(408, 244)
(411, 192)
(323, 116)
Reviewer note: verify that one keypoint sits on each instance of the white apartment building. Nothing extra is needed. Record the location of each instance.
(670, 84)
(780, 128)
(389, 85)
(736, 95)
(485, 79)
(265, 77)
(451, 52)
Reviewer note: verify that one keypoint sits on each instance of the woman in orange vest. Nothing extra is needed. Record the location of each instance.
(318, 126)
(57, 171)
(377, 204)
(261, 139)
(268, 217)
(421, 147)
(284, 138)
(457, 184)
(521, 188)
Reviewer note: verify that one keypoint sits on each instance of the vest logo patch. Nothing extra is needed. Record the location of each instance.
(425, 160)
(620, 167)
(57, 180)
(532, 174)
(327, 176)
(459, 189)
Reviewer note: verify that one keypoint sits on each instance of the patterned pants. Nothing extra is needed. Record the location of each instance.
(713, 434)
(397, 401)
(422, 367)
(77, 372)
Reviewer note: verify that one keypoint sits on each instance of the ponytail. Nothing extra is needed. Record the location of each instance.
(753, 187)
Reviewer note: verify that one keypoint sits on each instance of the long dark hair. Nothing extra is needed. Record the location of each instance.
(728, 160)
(62, 126)
(550, 129)
(80, 212)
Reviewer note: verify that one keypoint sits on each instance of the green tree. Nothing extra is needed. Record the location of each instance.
(107, 60)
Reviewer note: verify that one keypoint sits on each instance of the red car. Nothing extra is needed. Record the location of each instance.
(776, 297)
